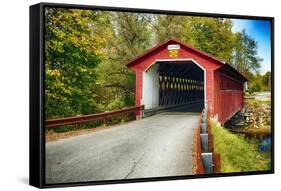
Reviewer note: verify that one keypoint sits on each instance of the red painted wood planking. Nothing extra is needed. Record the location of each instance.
(223, 102)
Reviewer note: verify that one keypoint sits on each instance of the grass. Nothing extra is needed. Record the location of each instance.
(238, 154)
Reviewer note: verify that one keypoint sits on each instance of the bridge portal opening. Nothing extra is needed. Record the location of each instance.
(171, 83)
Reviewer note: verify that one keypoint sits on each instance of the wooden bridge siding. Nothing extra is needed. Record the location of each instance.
(138, 95)
(217, 96)
(227, 102)
(184, 53)
(231, 103)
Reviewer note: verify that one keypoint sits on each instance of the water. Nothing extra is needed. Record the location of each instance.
(265, 145)
(262, 95)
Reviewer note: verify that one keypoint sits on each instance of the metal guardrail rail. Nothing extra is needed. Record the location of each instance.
(77, 120)
(207, 161)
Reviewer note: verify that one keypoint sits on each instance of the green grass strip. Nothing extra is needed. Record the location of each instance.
(238, 154)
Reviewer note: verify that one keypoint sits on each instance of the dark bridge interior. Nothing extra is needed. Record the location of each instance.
(181, 82)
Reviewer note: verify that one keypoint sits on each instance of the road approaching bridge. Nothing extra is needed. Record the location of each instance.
(157, 146)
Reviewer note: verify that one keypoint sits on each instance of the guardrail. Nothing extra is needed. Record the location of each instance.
(199, 168)
(206, 160)
(77, 120)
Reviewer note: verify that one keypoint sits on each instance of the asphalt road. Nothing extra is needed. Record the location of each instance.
(157, 146)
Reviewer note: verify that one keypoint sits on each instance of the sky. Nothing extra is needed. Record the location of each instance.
(260, 31)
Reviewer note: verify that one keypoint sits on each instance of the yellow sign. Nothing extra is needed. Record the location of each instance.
(173, 53)
(173, 50)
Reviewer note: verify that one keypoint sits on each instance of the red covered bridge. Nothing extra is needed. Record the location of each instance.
(173, 73)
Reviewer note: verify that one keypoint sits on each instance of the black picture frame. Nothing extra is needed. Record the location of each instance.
(37, 100)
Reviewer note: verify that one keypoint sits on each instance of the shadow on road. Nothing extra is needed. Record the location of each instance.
(193, 108)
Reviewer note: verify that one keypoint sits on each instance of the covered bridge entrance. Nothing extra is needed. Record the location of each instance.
(170, 83)
(173, 74)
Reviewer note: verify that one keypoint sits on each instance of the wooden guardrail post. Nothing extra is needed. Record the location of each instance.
(217, 163)
(77, 126)
(210, 142)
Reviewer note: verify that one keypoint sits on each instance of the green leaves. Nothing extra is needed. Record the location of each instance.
(71, 57)
(87, 51)
(260, 82)
(213, 36)
(210, 35)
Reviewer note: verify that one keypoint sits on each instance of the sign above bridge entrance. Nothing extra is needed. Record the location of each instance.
(173, 50)
(174, 47)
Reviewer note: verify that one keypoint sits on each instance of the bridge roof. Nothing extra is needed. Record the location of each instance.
(154, 49)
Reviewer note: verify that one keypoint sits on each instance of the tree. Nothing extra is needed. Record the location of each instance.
(131, 35)
(258, 82)
(266, 81)
(72, 38)
(245, 54)
(87, 51)
(169, 26)
(211, 35)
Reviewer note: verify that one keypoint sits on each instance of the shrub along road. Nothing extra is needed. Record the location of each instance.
(160, 145)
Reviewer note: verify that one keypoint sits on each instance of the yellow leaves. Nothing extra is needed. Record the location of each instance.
(61, 34)
(74, 40)
(55, 73)
(83, 70)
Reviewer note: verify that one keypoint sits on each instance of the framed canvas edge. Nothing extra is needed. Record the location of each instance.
(36, 122)
(37, 97)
